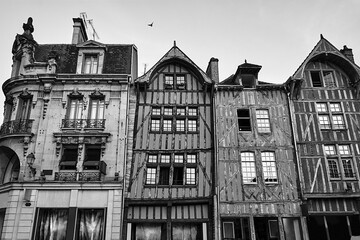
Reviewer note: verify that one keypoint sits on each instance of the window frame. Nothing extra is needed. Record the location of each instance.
(247, 119)
(157, 162)
(175, 81)
(272, 161)
(261, 120)
(339, 158)
(322, 80)
(327, 114)
(251, 168)
(90, 56)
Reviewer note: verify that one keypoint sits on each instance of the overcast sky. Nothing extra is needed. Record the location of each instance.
(276, 34)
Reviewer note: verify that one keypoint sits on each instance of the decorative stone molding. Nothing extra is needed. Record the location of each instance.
(46, 103)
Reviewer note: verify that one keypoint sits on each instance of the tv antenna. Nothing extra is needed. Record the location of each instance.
(87, 22)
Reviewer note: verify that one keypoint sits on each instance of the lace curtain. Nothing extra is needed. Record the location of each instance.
(52, 224)
(91, 224)
(185, 232)
(148, 232)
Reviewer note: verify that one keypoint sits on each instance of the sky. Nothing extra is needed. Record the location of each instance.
(276, 34)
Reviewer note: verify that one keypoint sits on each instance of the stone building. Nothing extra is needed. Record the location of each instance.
(64, 138)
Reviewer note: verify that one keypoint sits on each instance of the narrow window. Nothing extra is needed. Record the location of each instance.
(2, 218)
(92, 157)
(97, 107)
(269, 167)
(51, 222)
(164, 175)
(180, 125)
(348, 168)
(24, 108)
(167, 125)
(192, 126)
(244, 119)
(91, 224)
(151, 175)
(155, 125)
(248, 167)
(180, 82)
(328, 78)
(178, 176)
(75, 109)
(263, 121)
(316, 79)
(169, 81)
(90, 64)
(190, 176)
(333, 168)
(228, 230)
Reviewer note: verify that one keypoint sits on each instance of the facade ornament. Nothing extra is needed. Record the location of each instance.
(46, 103)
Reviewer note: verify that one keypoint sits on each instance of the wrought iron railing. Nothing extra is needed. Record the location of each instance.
(16, 127)
(77, 176)
(83, 123)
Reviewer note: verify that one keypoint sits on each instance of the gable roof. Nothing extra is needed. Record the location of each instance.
(174, 55)
(324, 50)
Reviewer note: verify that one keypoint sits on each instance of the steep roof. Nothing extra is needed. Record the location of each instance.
(324, 50)
(173, 55)
(117, 59)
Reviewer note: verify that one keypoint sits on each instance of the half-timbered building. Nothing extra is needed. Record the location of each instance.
(257, 191)
(170, 166)
(325, 97)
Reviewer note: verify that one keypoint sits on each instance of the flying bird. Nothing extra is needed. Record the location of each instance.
(150, 24)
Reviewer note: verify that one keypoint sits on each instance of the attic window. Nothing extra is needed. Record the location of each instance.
(248, 81)
(90, 64)
(315, 78)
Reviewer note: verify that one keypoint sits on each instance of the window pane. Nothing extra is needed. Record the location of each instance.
(330, 149)
(335, 107)
(167, 126)
(333, 168)
(186, 231)
(52, 222)
(348, 169)
(191, 158)
(248, 167)
(180, 111)
(180, 82)
(152, 159)
(324, 122)
(151, 176)
(179, 158)
(344, 150)
(338, 121)
(262, 119)
(190, 176)
(168, 111)
(269, 167)
(180, 125)
(192, 126)
(192, 112)
(155, 125)
(147, 231)
(292, 229)
(156, 111)
(228, 229)
(321, 107)
(169, 80)
(165, 158)
(91, 224)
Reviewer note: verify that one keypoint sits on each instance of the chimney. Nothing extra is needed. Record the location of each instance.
(347, 52)
(79, 32)
(213, 69)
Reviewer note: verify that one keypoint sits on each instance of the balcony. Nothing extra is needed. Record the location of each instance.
(79, 124)
(16, 127)
(93, 170)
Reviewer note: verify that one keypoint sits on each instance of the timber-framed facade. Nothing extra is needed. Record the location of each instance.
(257, 176)
(171, 164)
(325, 105)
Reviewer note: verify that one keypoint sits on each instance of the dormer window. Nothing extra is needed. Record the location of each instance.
(90, 64)
(175, 81)
(248, 81)
(90, 57)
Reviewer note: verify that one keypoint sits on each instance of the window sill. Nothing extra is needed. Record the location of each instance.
(170, 186)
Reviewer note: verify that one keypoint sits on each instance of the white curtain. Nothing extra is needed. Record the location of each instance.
(91, 224)
(52, 224)
(184, 232)
(148, 232)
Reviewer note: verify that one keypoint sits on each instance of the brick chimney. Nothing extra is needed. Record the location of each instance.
(347, 52)
(213, 69)
(79, 32)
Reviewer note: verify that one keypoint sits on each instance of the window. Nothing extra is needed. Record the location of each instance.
(340, 161)
(179, 83)
(97, 107)
(75, 109)
(292, 228)
(269, 167)
(263, 121)
(236, 228)
(92, 157)
(182, 231)
(248, 167)
(266, 228)
(174, 119)
(330, 116)
(244, 119)
(24, 108)
(52, 223)
(2, 218)
(323, 79)
(69, 157)
(90, 64)
(172, 169)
